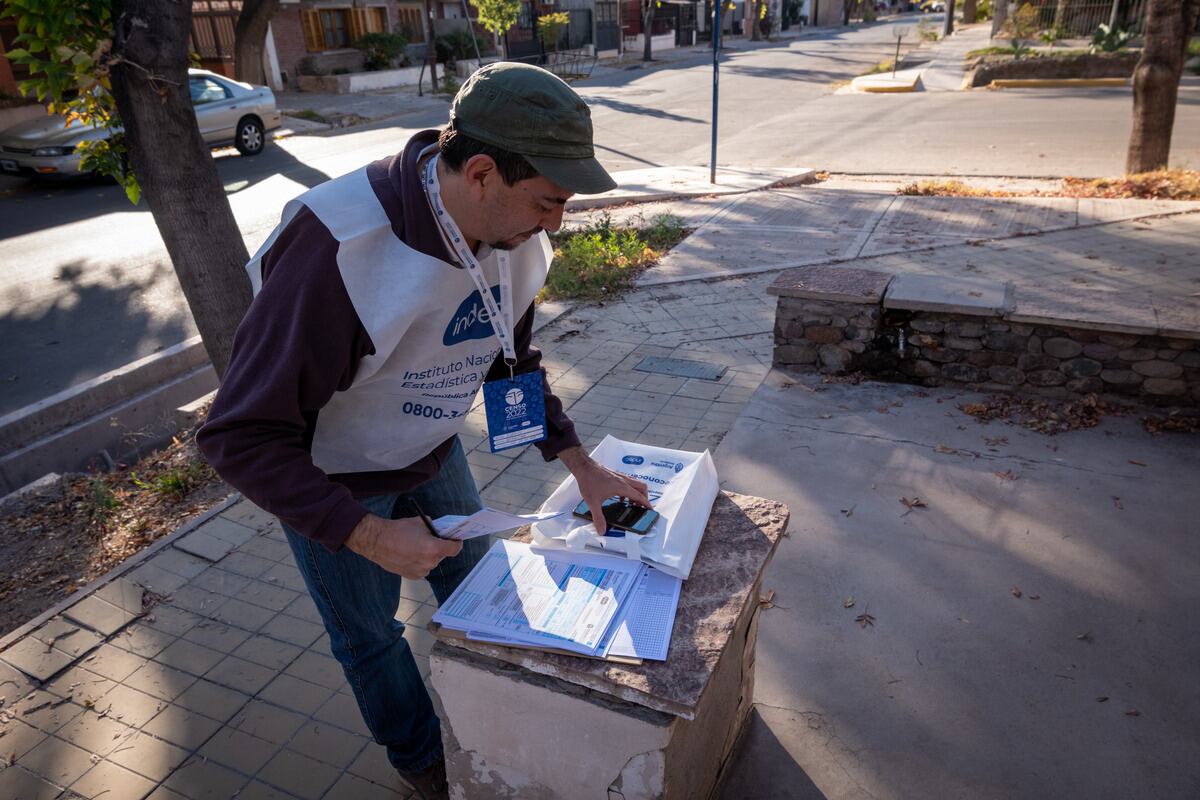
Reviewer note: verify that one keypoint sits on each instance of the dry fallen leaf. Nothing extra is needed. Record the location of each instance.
(848, 602)
(1007, 475)
(1117, 503)
(941, 448)
(1035, 597)
(768, 600)
(864, 620)
(916, 502)
(1137, 463)
(1102, 699)
(848, 511)
(1084, 637)
(1133, 712)
(1016, 591)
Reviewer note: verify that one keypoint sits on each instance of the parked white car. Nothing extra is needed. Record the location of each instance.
(229, 112)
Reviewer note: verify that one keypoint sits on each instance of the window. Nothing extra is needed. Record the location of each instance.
(333, 25)
(206, 90)
(337, 28)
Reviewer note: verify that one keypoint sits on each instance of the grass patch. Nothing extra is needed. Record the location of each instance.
(990, 51)
(1164, 184)
(601, 259)
(950, 188)
(308, 114)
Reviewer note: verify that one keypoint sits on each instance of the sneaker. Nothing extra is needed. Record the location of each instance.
(429, 783)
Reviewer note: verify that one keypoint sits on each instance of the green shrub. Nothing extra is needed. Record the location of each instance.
(381, 50)
(1110, 40)
(457, 45)
(550, 28)
(601, 259)
(309, 66)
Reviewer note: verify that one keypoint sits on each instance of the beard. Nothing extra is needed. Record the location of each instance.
(515, 241)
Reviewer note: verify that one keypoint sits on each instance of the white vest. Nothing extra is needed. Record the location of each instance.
(433, 340)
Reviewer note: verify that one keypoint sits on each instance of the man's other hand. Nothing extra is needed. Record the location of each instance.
(597, 483)
(402, 546)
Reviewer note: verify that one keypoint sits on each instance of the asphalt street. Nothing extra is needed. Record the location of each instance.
(85, 284)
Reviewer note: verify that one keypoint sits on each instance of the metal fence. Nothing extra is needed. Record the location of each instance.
(1078, 19)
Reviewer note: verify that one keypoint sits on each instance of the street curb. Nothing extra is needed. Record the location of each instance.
(592, 203)
(58, 411)
(1056, 83)
(139, 423)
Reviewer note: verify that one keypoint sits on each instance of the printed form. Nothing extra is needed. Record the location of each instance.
(548, 598)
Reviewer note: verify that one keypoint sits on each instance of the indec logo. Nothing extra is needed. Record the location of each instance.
(470, 321)
(514, 396)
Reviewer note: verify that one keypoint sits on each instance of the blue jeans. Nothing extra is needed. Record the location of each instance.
(358, 600)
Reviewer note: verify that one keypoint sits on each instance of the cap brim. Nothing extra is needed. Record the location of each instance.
(579, 175)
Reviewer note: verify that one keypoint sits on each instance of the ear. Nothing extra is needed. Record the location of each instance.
(480, 172)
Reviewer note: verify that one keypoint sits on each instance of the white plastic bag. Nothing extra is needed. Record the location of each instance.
(683, 486)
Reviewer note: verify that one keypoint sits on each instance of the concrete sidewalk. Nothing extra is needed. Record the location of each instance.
(226, 685)
(1028, 634)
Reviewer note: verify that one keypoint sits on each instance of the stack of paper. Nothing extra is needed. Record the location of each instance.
(590, 604)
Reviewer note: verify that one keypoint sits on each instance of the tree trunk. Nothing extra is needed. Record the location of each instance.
(970, 11)
(999, 16)
(249, 36)
(175, 167)
(948, 24)
(756, 31)
(846, 6)
(1169, 24)
(647, 24)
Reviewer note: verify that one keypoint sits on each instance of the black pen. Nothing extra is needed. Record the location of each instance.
(428, 522)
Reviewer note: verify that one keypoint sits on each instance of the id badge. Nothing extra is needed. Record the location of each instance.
(516, 411)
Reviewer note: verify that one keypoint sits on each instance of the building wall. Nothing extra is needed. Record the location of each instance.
(289, 35)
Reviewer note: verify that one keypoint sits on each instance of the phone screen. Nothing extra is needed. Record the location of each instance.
(622, 515)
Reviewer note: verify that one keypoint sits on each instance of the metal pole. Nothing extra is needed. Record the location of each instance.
(1112, 18)
(471, 30)
(897, 58)
(712, 170)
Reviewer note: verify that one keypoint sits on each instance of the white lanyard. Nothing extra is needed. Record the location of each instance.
(501, 315)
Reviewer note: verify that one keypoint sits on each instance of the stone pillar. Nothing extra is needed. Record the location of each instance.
(535, 725)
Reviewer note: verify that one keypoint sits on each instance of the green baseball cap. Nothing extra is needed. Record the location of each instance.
(525, 109)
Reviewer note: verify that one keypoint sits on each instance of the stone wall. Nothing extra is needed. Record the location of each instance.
(1094, 65)
(988, 352)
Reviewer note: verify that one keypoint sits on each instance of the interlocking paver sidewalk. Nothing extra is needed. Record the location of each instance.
(226, 684)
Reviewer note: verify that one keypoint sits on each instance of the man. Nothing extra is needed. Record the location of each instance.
(383, 300)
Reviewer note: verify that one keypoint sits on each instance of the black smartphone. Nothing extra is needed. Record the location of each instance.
(622, 515)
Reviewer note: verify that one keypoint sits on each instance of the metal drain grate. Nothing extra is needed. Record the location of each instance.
(681, 368)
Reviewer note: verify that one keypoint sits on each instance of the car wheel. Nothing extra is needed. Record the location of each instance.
(250, 138)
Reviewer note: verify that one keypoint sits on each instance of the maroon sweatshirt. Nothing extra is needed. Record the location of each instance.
(300, 342)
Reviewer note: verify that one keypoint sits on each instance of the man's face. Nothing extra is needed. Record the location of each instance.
(512, 214)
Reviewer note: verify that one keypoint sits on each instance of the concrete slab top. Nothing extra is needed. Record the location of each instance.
(835, 283)
(738, 543)
(661, 183)
(1118, 312)
(918, 292)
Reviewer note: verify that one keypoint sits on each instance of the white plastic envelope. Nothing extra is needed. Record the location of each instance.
(682, 485)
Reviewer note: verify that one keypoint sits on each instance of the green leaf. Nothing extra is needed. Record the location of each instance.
(132, 190)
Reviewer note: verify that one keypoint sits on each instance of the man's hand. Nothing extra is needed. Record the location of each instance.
(598, 483)
(402, 546)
